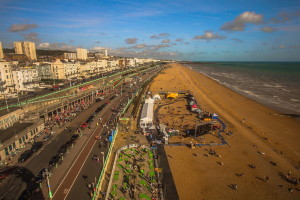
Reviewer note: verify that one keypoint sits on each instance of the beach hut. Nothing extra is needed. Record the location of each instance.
(156, 97)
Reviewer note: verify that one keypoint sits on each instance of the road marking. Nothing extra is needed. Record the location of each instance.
(66, 190)
(66, 194)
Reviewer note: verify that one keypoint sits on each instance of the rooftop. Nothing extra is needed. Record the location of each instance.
(11, 131)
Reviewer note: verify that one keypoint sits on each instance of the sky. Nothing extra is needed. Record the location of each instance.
(193, 30)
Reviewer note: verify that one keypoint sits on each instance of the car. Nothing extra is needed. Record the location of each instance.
(6, 171)
(69, 143)
(36, 146)
(41, 175)
(54, 160)
(24, 156)
(84, 125)
(74, 137)
(47, 137)
(62, 150)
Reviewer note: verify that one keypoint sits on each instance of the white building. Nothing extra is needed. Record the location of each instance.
(27, 48)
(93, 68)
(6, 78)
(25, 79)
(1, 51)
(18, 48)
(81, 53)
(64, 70)
(70, 56)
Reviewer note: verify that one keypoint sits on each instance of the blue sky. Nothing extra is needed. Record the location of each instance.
(224, 30)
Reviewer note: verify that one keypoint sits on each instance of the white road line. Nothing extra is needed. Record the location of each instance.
(76, 161)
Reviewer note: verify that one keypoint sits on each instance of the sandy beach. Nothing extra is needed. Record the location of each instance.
(260, 137)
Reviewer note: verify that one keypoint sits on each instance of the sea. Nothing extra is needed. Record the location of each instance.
(273, 84)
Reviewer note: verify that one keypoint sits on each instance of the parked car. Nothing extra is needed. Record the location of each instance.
(41, 175)
(62, 150)
(36, 146)
(54, 160)
(47, 137)
(84, 125)
(69, 143)
(74, 137)
(24, 156)
(6, 171)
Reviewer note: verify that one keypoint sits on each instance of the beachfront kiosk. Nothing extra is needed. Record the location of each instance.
(146, 120)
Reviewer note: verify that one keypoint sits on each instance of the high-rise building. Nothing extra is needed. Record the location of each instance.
(29, 50)
(18, 48)
(1, 51)
(71, 56)
(81, 54)
(105, 52)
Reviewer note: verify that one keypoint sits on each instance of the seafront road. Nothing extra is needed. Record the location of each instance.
(66, 188)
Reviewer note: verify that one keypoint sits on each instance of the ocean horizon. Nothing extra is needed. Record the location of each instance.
(273, 84)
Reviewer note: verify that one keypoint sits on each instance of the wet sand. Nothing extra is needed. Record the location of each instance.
(256, 129)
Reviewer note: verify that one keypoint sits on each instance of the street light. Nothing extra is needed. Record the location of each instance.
(47, 173)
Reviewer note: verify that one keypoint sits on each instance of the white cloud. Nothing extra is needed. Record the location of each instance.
(238, 24)
(44, 45)
(268, 29)
(131, 40)
(21, 27)
(209, 35)
(60, 46)
(165, 41)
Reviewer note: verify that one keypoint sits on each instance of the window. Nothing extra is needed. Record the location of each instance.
(20, 141)
(6, 151)
(14, 145)
(10, 147)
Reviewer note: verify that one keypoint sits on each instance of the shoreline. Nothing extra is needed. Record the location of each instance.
(281, 110)
(256, 128)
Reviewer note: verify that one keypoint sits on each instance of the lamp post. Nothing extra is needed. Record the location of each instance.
(47, 173)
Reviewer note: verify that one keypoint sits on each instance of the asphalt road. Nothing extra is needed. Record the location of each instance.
(73, 187)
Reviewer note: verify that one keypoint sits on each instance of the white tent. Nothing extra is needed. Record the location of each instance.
(146, 120)
(156, 97)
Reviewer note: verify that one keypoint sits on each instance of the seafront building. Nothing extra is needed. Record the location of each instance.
(25, 79)
(6, 76)
(1, 51)
(81, 54)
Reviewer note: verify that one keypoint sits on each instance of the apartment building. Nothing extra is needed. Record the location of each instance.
(70, 56)
(45, 71)
(1, 51)
(18, 48)
(6, 76)
(27, 48)
(93, 68)
(25, 79)
(62, 69)
(82, 54)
